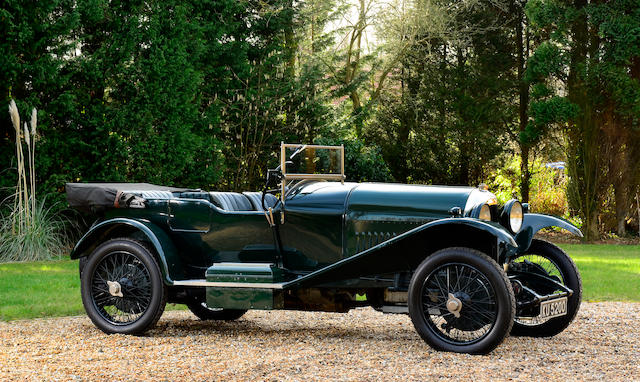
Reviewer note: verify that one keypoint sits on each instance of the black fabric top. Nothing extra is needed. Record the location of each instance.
(95, 197)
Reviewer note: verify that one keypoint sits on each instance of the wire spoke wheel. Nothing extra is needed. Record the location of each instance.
(548, 260)
(546, 267)
(461, 300)
(121, 288)
(459, 303)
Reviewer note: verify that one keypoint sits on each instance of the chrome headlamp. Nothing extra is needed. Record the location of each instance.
(512, 215)
(485, 213)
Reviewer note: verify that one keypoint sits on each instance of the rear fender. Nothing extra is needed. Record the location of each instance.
(165, 251)
(406, 251)
(535, 222)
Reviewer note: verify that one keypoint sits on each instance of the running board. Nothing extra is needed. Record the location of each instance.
(223, 284)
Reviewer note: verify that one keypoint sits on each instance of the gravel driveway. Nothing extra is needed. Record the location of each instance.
(364, 345)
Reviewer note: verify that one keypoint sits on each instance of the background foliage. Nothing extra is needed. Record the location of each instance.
(199, 93)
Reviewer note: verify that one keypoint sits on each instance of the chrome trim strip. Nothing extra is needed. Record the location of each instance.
(205, 283)
(243, 265)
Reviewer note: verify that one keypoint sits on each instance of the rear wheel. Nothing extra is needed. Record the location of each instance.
(460, 300)
(549, 260)
(203, 312)
(122, 288)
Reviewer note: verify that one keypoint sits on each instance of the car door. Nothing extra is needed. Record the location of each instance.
(205, 234)
(312, 232)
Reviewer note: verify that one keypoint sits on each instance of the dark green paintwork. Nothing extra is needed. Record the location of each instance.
(329, 221)
(190, 216)
(169, 259)
(383, 258)
(244, 298)
(377, 212)
(245, 273)
(313, 223)
(333, 233)
(535, 222)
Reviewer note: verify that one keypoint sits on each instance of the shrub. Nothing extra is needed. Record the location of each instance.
(505, 181)
(362, 163)
(44, 238)
(547, 190)
(30, 231)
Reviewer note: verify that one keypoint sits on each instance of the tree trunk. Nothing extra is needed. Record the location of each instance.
(463, 180)
(583, 133)
(523, 106)
(622, 210)
(526, 173)
(353, 65)
(615, 148)
(291, 43)
(633, 148)
(465, 145)
(591, 224)
(403, 153)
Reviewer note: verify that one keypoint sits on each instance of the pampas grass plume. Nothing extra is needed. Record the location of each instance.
(15, 116)
(34, 122)
(26, 135)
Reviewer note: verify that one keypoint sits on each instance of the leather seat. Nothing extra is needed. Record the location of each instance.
(231, 201)
(256, 200)
(154, 194)
(196, 195)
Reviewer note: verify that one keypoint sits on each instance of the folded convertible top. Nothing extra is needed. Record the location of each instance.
(96, 197)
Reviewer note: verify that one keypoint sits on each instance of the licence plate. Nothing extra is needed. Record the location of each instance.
(553, 308)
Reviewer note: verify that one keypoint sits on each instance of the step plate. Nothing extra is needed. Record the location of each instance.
(222, 284)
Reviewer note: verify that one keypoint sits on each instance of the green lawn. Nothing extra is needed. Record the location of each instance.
(52, 288)
(609, 272)
(42, 289)
(39, 289)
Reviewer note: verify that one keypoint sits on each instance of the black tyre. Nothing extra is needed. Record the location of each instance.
(460, 300)
(203, 312)
(81, 263)
(122, 288)
(555, 263)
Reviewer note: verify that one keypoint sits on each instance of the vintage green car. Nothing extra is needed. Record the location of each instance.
(467, 271)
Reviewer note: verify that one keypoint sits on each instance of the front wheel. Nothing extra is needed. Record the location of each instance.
(122, 288)
(460, 300)
(547, 259)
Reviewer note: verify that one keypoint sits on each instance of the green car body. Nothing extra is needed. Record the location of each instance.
(316, 248)
(328, 225)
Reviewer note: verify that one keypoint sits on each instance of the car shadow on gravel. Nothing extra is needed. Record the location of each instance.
(249, 328)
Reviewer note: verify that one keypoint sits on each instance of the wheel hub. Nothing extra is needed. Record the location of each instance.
(115, 289)
(454, 305)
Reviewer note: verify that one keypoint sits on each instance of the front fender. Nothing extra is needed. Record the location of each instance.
(404, 252)
(535, 222)
(496, 230)
(167, 255)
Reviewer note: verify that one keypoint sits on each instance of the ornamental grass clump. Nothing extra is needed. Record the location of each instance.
(29, 231)
(43, 238)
